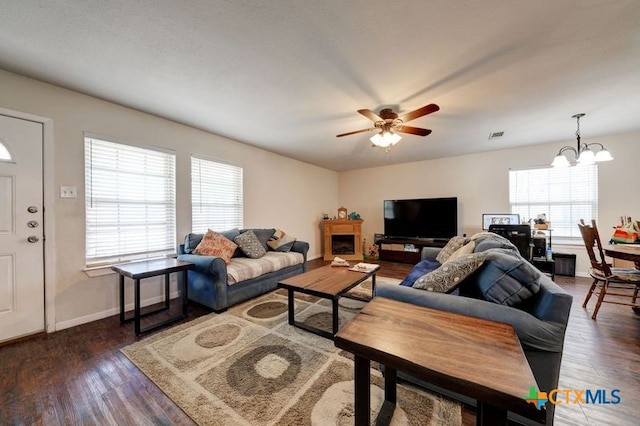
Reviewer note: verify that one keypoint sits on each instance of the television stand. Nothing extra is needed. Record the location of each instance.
(406, 250)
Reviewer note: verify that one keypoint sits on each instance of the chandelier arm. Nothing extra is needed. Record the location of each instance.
(568, 148)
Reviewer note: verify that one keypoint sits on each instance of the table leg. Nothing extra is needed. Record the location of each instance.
(334, 313)
(166, 290)
(185, 292)
(362, 391)
(136, 308)
(390, 377)
(373, 285)
(121, 282)
(490, 415)
(290, 304)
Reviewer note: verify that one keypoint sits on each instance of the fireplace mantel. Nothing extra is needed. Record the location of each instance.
(342, 238)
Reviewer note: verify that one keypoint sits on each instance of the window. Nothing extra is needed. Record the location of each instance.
(216, 196)
(130, 202)
(4, 153)
(565, 195)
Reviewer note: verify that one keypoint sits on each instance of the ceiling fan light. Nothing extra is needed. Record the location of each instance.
(379, 140)
(587, 157)
(560, 161)
(393, 137)
(603, 155)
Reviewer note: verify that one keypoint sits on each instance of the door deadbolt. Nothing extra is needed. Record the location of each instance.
(32, 209)
(33, 239)
(32, 224)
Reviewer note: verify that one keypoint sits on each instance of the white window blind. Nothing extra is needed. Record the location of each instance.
(216, 196)
(565, 195)
(130, 202)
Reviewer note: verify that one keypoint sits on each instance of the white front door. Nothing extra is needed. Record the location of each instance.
(21, 228)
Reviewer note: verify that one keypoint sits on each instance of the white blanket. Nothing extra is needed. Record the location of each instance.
(244, 268)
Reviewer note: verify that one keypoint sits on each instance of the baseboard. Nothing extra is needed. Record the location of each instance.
(111, 312)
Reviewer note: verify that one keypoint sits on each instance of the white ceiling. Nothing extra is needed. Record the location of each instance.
(288, 75)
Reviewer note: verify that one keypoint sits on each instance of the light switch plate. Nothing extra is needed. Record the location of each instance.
(68, 192)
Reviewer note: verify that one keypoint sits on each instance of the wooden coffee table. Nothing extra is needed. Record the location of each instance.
(328, 282)
(474, 357)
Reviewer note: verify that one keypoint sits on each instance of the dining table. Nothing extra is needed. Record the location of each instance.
(629, 252)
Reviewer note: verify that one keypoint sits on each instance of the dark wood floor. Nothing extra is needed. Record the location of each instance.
(79, 376)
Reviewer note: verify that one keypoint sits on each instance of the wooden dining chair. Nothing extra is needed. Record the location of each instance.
(607, 281)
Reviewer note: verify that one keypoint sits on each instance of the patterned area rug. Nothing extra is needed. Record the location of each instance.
(248, 366)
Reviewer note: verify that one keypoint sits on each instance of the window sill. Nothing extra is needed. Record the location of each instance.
(98, 271)
(105, 269)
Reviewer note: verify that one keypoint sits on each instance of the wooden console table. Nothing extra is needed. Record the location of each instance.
(151, 268)
(342, 238)
(393, 249)
(471, 356)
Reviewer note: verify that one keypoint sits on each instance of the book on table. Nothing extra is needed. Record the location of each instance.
(365, 267)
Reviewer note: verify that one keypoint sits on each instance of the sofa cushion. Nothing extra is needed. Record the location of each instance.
(281, 241)
(507, 278)
(215, 244)
(450, 274)
(452, 245)
(423, 267)
(250, 245)
(191, 241)
(243, 268)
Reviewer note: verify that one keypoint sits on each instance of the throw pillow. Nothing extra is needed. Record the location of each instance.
(281, 241)
(465, 249)
(423, 267)
(507, 278)
(215, 244)
(263, 235)
(452, 245)
(451, 274)
(250, 245)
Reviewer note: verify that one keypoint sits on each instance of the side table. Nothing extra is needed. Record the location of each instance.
(546, 266)
(151, 268)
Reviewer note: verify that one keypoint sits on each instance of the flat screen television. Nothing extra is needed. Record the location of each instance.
(421, 218)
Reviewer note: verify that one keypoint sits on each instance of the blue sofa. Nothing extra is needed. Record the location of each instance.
(208, 280)
(540, 320)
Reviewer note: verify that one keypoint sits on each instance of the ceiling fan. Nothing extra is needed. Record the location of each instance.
(390, 124)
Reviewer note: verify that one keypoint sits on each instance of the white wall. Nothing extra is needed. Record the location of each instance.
(481, 183)
(278, 192)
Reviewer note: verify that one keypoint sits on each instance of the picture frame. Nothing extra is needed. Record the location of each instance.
(489, 219)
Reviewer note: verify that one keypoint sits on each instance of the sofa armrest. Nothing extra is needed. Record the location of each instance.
(430, 252)
(532, 332)
(301, 247)
(212, 265)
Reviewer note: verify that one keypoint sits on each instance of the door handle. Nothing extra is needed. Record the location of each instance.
(32, 209)
(32, 224)
(33, 239)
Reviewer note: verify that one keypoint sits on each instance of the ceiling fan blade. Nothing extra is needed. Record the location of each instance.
(370, 115)
(356, 131)
(428, 109)
(413, 130)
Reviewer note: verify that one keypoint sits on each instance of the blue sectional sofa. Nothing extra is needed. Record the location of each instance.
(539, 319)
(211, 286)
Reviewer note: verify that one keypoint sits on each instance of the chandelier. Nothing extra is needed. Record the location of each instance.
(583, 153)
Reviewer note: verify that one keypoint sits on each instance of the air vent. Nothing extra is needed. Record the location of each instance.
(495, 135)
